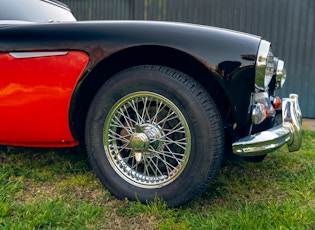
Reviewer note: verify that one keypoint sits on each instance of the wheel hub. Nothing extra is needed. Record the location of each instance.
(155, 134)
(147, 134)
(139, 142)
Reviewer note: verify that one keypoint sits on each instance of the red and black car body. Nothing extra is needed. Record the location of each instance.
(52, 68)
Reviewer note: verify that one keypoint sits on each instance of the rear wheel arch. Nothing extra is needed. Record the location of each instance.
(141, 55)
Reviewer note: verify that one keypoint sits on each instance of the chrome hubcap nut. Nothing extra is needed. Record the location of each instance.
(139, 142)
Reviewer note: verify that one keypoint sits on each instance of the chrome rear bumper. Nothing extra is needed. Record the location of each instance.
(289, 132)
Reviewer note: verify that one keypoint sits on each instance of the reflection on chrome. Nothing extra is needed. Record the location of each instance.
(295, 98)
(263, 53)
(37, 54)
(280, 74)
(289, 132)
(264, 65)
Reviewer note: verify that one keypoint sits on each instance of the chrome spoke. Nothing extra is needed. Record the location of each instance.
(179, 143)
(154, 167)
(159, 107)
(145, 111)
(134, 106)
(170, 154)
(168, 118)
(116, 136)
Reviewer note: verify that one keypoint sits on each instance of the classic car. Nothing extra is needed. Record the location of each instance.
(158, 105)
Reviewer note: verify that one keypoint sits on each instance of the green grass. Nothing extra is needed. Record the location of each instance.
(56, 189)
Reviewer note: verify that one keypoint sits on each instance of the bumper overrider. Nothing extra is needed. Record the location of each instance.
(289, 132)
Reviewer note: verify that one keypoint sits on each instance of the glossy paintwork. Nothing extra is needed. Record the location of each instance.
(35, 95)
(34, 11)
(211, 45)
(229, 56)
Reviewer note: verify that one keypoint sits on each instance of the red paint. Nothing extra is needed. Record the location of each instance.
(35, 95)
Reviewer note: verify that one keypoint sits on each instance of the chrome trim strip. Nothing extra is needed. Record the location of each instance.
(289, 132)
(37, 54)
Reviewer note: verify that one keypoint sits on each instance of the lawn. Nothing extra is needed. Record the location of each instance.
(56, 189)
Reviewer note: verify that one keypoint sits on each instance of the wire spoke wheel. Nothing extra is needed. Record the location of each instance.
(152, 131)
(147, 139)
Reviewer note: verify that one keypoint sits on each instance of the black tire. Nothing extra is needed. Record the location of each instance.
(152, 131)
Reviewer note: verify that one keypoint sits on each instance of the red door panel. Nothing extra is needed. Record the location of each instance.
(35, 94)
